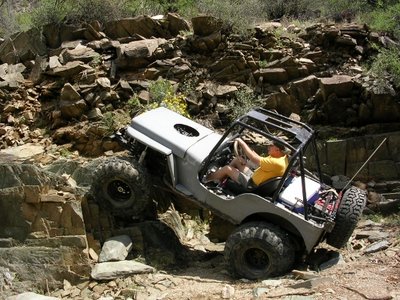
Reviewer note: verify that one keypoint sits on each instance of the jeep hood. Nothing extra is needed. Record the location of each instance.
(171, 130)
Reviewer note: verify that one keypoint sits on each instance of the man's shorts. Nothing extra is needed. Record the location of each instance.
(245, 180)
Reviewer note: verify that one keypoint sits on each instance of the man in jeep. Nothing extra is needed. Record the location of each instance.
(257, 169)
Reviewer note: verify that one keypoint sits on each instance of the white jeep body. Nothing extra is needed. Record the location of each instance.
(275, 222)
(164, 131)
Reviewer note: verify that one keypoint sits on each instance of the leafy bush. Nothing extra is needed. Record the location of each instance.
(113, 120)
(385, 19)
(75, 12)
(244, 101)
(8, 24)
(239, 15)
(100, 10)
(162, 93)
(387, 64)
(50, 12)
(290, 8)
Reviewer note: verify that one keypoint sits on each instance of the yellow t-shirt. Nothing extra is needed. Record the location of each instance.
(270, 167)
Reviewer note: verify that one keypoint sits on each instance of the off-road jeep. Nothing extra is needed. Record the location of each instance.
(276, 222)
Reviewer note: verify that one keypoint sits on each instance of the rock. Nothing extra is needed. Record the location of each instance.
(304, 89)
(69, 69)
(12, 75)
(312, 283)
(22, 152)
(143, 26)
(31, 296)
(372, 236)
(340, 85)
(138, 53)
(378, 246)
(385, 107)
(304, 274)
(205, 25)
(71, 103)
(116, 248)
(335, 259)
(79, 53)
(272, 75)
(22, 46)
(112, 270)
(176, 24)
(206, 43)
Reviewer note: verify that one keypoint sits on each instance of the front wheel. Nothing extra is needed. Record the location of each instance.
(121, 188)
(259, 250)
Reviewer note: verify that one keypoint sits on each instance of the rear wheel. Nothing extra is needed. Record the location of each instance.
(121, 188)
(349, 212)
(259, 250)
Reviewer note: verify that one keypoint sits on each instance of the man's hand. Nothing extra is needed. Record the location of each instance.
(241, 156)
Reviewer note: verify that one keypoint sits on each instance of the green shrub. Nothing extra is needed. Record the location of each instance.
(289, 8)
(385, 19)
(240, 15)
(100, 10)
(244, 101)
(134, 105)
(113, 120)
(76, 12)
(50, 12)
(8, 24)
(162, 93)
(387, 64)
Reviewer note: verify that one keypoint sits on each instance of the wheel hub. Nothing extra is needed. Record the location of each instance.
(256, 258)
(119, 190)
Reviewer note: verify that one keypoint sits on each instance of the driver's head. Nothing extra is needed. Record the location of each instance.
(276, 149)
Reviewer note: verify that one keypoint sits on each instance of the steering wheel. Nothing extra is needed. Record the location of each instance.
(239, 152)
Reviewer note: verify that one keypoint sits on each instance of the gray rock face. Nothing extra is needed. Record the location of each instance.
(84, 72)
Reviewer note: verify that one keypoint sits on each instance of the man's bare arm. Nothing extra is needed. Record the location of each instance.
(250, 153)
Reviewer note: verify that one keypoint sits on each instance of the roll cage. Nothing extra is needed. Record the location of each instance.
(292, 134)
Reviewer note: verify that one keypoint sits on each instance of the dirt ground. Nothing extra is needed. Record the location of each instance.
(350, 273)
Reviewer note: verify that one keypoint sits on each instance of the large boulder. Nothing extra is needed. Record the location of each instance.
(22, 46)
(143, 26)
(206, 25)
(138, 54)
(340, 85)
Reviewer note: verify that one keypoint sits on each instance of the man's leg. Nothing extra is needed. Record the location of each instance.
(226, 171)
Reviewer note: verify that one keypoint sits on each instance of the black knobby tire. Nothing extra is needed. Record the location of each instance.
(259, 250)
(349, 212)
(120, 187)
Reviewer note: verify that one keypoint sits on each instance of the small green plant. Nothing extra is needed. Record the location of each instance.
(134, 105)
(159, 90)
(388, 220)
(96, 61)
(108, 122)
(244, 101)
(162, 93)
(263, 63)
(65, 152)
(112, 121)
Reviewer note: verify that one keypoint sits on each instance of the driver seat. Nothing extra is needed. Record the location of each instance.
(265, 189)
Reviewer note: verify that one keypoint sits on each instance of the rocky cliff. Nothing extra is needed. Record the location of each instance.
(56, 86)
